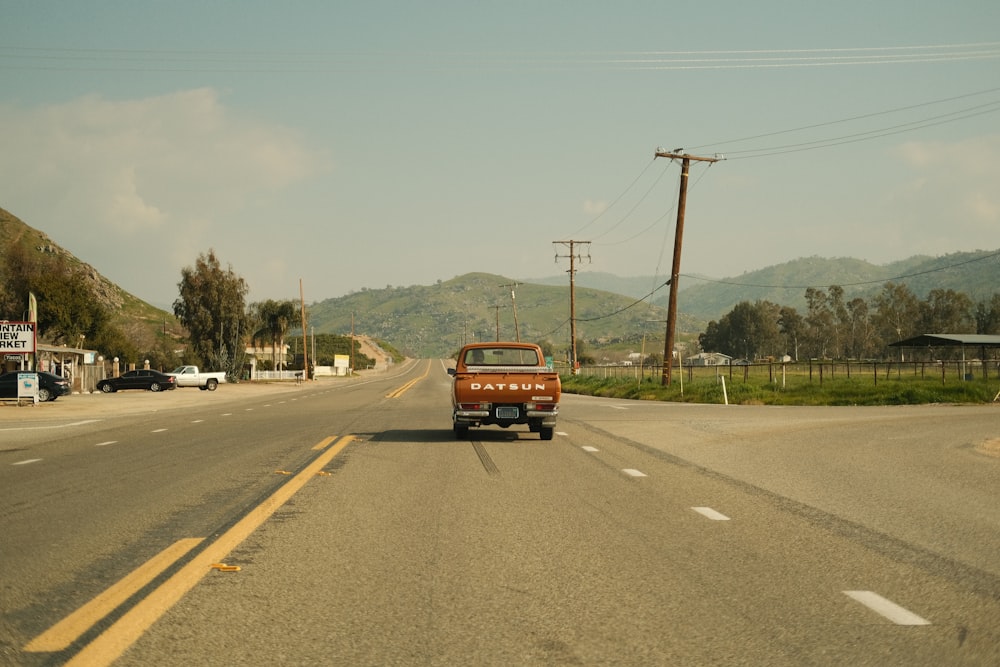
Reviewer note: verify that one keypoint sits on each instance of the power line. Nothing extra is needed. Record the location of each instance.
(259, 60)
(873, 134)
(850, 119)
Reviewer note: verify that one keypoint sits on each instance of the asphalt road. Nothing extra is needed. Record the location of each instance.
(340, 522)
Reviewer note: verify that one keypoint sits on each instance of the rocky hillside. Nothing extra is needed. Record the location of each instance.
(138, 320)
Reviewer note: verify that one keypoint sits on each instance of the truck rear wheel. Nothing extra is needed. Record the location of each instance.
(546, 432)
(212, 384)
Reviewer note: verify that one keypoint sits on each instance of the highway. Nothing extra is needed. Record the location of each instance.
(339, 522)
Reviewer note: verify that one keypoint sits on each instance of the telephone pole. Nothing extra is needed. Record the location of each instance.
(305, 355)
(513, 303)
(668, 345)
(573, 256)
(497, 308)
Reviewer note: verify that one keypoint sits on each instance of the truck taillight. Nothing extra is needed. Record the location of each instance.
(541, 407)
(474, 406)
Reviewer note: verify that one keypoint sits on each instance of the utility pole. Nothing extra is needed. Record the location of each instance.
(513, 303)
(668, 345)
(305, 355)
(497, 307)
(573, 256)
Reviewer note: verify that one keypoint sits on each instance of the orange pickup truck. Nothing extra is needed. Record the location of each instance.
(504, 384)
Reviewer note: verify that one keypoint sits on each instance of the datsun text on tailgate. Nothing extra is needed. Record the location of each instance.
(504, 384)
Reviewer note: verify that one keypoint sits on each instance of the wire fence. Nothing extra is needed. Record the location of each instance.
(812, 371)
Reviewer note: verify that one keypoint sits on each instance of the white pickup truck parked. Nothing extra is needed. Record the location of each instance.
(190, 376)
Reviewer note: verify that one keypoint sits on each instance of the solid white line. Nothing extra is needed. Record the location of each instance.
(25, 462)
(887, 608)
(632, 472)
(588, 448)
(710, 513)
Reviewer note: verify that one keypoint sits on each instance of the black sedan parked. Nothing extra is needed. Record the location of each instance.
(50, 386)
(138, 379)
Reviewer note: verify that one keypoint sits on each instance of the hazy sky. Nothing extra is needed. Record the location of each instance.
(380, 143)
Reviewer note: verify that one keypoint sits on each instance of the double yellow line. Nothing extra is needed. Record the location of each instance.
(396, 393)
(114, 641)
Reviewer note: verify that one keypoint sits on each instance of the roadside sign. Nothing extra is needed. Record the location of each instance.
(14, 357)
(17, 337)
(27, 386)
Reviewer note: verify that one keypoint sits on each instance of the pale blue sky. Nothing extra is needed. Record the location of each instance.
(373, 143)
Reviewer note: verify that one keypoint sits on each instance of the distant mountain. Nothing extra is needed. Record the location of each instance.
(435, 320)
(976, 274)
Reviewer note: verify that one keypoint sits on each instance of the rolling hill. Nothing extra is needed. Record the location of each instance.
(976, 273)
(433, 320)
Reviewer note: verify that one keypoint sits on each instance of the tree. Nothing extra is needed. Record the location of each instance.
(896, 315)
(67, 307)
(860, 333)
(790, 325)
(988, 316)
(749, 330)
(820, 329)
(212, 307)
(946, 311)
(273, 319)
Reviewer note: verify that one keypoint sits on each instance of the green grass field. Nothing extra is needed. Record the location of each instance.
(796, 384)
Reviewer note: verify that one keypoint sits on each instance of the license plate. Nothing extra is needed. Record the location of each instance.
(507, 413)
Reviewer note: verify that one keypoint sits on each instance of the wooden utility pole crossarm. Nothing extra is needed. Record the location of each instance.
(573, 256)
(668, 345)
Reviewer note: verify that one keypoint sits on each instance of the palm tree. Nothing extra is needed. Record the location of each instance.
(273, 319)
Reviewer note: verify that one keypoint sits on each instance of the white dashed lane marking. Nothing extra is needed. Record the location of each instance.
(711, 513)
(25, 462)
(588, 448)
(106, 443)
(632, 472)
(886, 608)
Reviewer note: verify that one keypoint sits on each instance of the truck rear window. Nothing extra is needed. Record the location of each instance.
(502, 356)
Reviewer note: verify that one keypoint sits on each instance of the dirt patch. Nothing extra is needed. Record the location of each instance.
(990, 447)
(371, 349)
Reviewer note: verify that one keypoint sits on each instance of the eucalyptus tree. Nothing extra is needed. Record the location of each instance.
(212, 307)
(947, 311)
(988, 316)
(820, 324)
(896, 314)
